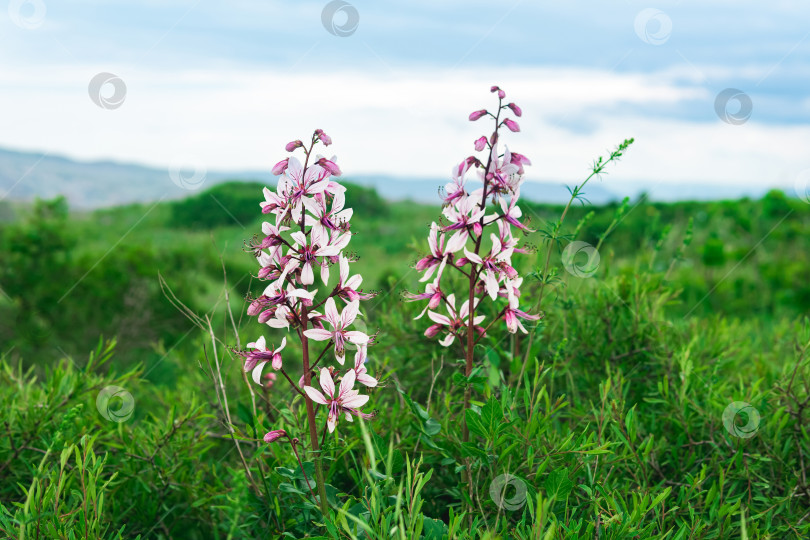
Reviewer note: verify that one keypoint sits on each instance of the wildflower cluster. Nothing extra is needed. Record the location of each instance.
(461, 241)
(310, 231)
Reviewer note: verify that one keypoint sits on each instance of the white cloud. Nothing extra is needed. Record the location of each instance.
(409, 123)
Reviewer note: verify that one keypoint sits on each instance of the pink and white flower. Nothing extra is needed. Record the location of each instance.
(309, 201)
(489, 274)
(345, 400)
(326, 221)
(439, 253)
(456, 323)
(256, 359)
(340, 321)
(433, 292)
(465, 214)
(320, 246)
(498, 262)
(512, 316)
(348, 287)
(296, 184)
(360, 370)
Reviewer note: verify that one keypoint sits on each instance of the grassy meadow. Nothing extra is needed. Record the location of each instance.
(614, 418)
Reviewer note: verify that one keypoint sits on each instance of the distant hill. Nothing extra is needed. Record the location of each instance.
(26, 175)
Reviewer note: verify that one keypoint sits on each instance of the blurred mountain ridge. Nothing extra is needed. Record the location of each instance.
(25, 176)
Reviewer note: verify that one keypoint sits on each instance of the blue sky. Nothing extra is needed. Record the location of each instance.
(225, 84)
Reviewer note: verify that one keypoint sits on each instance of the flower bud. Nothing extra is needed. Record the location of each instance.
(257, 306)
(515, 109)
(520, 159)
(293, 145)
(512, 125)
(330, 166)
(477, 115)
(281, 166)
(323, 137)
(480, 144)
(274, 435)
(433, 330)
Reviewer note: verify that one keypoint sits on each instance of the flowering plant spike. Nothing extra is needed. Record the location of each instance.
(295, 256)
(476, 240)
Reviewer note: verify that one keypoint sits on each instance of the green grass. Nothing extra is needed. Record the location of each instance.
(609, 422)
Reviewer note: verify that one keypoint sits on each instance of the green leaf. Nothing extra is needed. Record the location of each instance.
(474, 423)
(491, 415)
(469, 449)
(557, 485)
(432, 427)
(434, 529)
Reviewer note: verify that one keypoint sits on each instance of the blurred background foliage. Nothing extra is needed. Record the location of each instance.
(68, 278)
(610, 413)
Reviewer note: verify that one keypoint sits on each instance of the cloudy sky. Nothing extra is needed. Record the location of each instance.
(226, 84)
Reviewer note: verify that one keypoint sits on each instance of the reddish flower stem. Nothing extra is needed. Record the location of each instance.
(474, 272)
(473, 277)
(313, 430)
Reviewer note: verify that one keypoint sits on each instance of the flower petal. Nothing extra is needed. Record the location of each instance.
(331, 312)
(367, 380)
(327, 383)
(358, 338)
(257, 373)
(315, 396)
(318, 334)
(307, 276)
(439, 319)
(350, 312)
(347, 383)
(353, 402)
